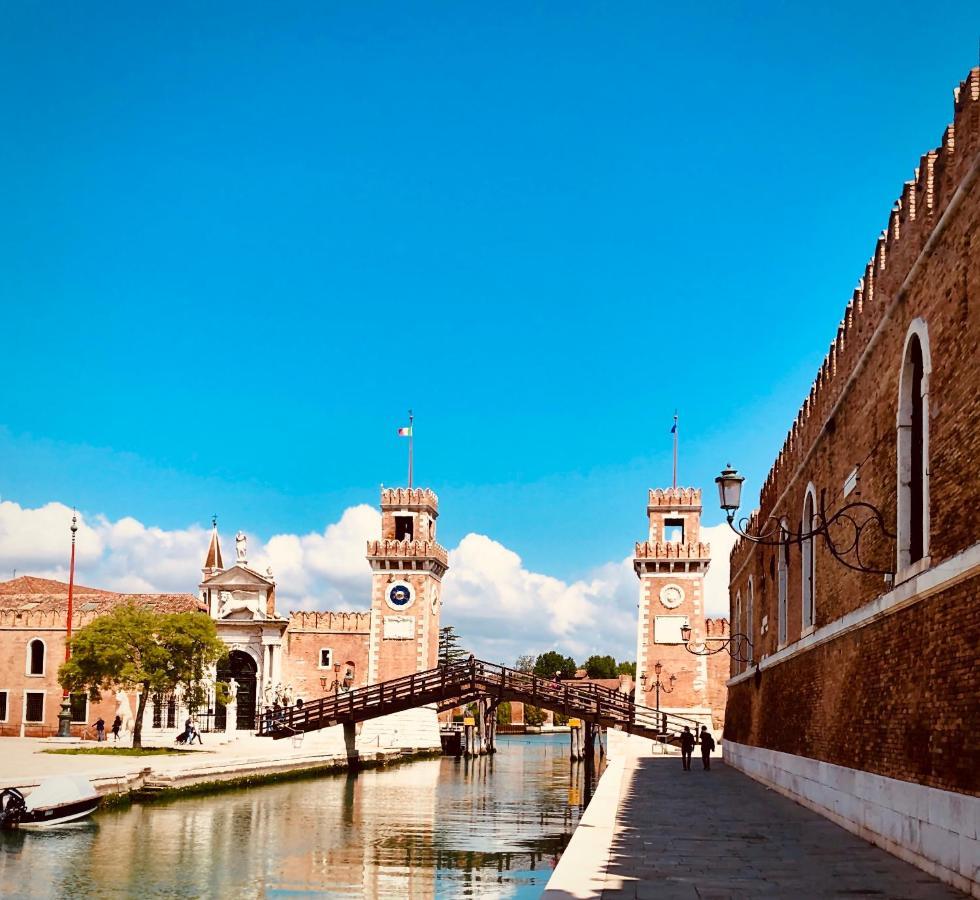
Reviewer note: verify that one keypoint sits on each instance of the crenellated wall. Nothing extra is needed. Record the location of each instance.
(941, 173)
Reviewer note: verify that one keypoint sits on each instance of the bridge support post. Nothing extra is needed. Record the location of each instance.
(350, 739)
(589, 750)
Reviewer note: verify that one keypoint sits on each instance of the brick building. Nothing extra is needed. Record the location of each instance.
(33, 614)
(671, 565)
(304, 655)
(865, 704)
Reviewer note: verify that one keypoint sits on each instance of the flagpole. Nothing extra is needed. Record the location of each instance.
(675, 448)
(411, 438)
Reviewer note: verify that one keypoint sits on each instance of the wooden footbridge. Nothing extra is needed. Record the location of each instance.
(475, 680)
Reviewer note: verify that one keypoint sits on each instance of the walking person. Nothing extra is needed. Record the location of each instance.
(707, 745)
(100, 729)
(687, 748)
(195, 733)
(116, 725)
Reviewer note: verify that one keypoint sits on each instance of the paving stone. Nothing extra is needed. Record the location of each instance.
(721, 835)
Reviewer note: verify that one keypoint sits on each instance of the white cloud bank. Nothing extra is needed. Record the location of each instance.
(500, 608)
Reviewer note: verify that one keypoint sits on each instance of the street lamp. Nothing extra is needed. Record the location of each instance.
(850, 521)
(335, 685)
(64, 717)
(658, 685)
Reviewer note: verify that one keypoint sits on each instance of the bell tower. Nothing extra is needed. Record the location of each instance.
(407, 565)
(671, 564)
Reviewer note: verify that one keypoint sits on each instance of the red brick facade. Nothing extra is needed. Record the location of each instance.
(884, 678)
(35, 610)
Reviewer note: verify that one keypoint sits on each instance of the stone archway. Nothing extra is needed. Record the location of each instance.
(240, 666)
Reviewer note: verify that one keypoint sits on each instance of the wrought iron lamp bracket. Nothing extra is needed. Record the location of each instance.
(848, 520)
(736, 645)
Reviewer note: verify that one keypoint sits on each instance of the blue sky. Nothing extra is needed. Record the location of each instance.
(239, 241)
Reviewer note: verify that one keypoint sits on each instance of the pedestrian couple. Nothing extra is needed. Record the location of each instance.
(100, 728)
(687, 747)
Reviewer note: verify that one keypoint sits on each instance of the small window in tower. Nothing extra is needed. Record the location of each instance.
(674, 531)
(404, 528)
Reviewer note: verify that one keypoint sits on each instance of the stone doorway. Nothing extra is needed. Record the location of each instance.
(242, 668)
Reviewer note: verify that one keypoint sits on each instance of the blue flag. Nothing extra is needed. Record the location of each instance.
(673, 429)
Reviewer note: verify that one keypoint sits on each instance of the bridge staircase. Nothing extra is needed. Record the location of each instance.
(464, 682)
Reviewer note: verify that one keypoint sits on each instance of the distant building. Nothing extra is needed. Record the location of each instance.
(865, 705)
(671, 564)
(272, 659)
(33, 614)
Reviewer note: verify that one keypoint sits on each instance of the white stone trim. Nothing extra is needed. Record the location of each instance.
(27, 659)
(903, 425)
(933, 829)
(908, 593)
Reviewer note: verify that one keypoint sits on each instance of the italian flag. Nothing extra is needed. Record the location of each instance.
(405, 432)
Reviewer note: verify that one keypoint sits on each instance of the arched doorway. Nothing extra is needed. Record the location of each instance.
(242, 668)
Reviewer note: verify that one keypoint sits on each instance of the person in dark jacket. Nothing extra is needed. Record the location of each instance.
(116, 725)
(707, 745)
(687, 748)
(100, 729)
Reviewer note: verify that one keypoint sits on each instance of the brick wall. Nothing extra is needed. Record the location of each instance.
(895, 697)
(849, 417)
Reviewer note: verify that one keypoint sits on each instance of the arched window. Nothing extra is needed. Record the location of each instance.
(913, 447)
(750, 613)
(737, 624)
(807, 557)
(782, 581)
(35, 657)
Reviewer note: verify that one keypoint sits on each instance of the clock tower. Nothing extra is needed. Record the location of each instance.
(407, 565)
(671, 565)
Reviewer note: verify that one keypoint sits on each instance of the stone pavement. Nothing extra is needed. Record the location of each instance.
(719, 834)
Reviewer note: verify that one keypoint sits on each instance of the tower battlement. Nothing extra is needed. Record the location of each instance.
(674, 498)
(410, 498)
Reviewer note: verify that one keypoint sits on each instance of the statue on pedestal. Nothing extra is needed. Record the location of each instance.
(241, 549)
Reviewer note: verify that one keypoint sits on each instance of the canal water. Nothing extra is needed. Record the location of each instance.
(489, 827)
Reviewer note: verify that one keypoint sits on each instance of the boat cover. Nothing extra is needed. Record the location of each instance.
(59, 790)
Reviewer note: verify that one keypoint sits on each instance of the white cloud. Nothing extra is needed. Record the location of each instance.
(500, 608)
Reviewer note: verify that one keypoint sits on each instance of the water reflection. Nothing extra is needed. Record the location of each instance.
(489, 827)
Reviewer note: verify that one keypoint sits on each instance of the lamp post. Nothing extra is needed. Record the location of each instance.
(64, 717)
(659, 686)
(335, 685)
(849, 524)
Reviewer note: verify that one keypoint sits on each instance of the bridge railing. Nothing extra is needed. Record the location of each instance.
(469, 679)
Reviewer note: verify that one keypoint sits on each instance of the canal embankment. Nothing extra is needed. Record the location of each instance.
(205, 768)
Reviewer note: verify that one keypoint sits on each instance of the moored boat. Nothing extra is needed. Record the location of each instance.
(57, 800)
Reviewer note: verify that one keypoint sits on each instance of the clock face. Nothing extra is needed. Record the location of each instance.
(671, 595)
(399, 595)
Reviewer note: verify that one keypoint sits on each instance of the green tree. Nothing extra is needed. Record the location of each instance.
(503, 713)
(533, 715)
(450, 650)
(135, 647)
(627, 668)
(600, 667)
(525, 664)
(547, 664)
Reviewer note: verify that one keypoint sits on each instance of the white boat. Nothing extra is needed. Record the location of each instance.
(55, 801)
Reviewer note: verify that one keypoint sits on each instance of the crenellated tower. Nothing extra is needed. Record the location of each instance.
(671, 564)
(407, 564)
